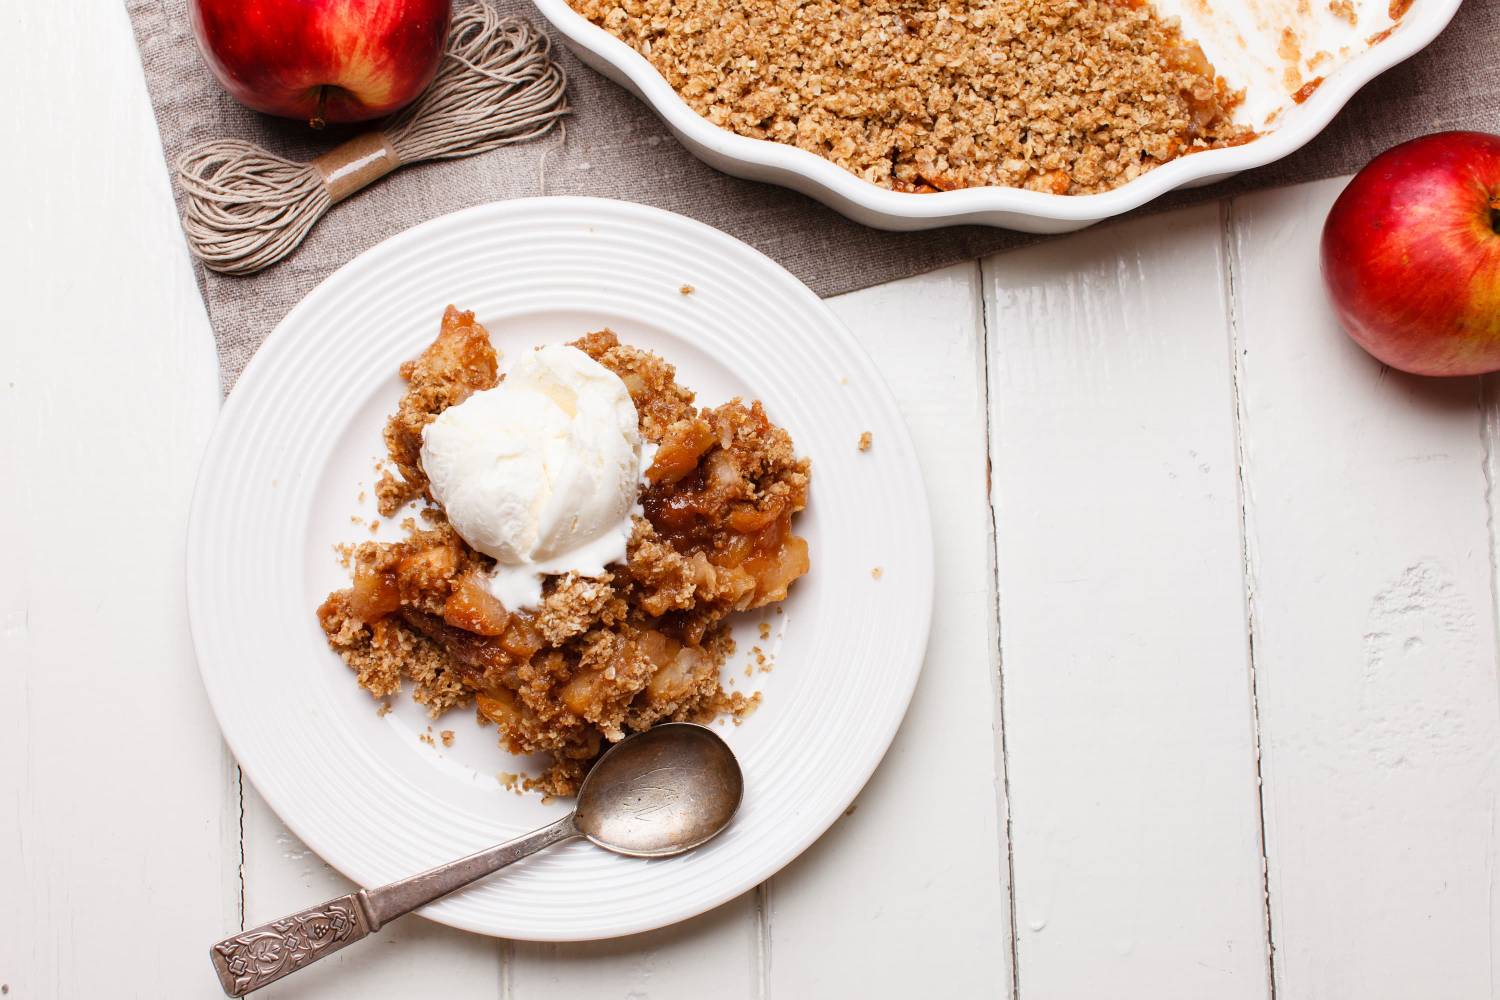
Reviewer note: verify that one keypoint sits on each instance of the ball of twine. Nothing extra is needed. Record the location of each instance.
(247, 208)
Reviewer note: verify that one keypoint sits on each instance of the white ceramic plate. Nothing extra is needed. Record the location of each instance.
(1244, 40)
(296, 444)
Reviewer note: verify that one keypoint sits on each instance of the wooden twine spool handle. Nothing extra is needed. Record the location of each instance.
(246, 208)
(356, 164)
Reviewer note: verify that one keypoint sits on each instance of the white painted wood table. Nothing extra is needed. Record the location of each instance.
(1211, 707)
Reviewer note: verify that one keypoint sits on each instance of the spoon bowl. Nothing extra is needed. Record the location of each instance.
(661, 792)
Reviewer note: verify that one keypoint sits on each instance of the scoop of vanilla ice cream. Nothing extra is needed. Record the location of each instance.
(541, 471)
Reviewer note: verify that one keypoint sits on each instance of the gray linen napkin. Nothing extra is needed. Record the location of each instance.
(616, 148)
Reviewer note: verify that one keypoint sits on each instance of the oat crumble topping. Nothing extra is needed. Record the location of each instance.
(1060, 96)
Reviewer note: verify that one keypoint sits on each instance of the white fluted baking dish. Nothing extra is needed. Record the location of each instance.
(1243, 38)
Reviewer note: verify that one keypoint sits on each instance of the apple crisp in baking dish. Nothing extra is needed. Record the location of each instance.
(1061, 96)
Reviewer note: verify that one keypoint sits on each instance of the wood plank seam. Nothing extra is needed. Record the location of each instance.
(997, 675)
(1227, 225)
(239, 794)
(763, 939)
(1489, 429)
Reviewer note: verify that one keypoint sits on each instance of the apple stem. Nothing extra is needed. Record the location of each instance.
(317, 120)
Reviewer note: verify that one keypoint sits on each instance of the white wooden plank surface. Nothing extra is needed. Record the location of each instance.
(1122, 618)
(908, 896)
(714, 955)
(118, 813)
(405, 959)
(1374, 639)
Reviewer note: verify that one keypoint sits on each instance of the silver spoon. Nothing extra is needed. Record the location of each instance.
(652, 795)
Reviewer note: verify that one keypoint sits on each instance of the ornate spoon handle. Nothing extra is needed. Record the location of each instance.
(254, 958)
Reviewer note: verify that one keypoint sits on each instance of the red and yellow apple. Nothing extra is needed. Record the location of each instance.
(1411, 255)
(322, 60)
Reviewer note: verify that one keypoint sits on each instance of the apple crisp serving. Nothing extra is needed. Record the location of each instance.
(1060, 96)
(600, 657)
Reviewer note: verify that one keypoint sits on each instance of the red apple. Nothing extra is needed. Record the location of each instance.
(1411, 255)
(322, 60)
